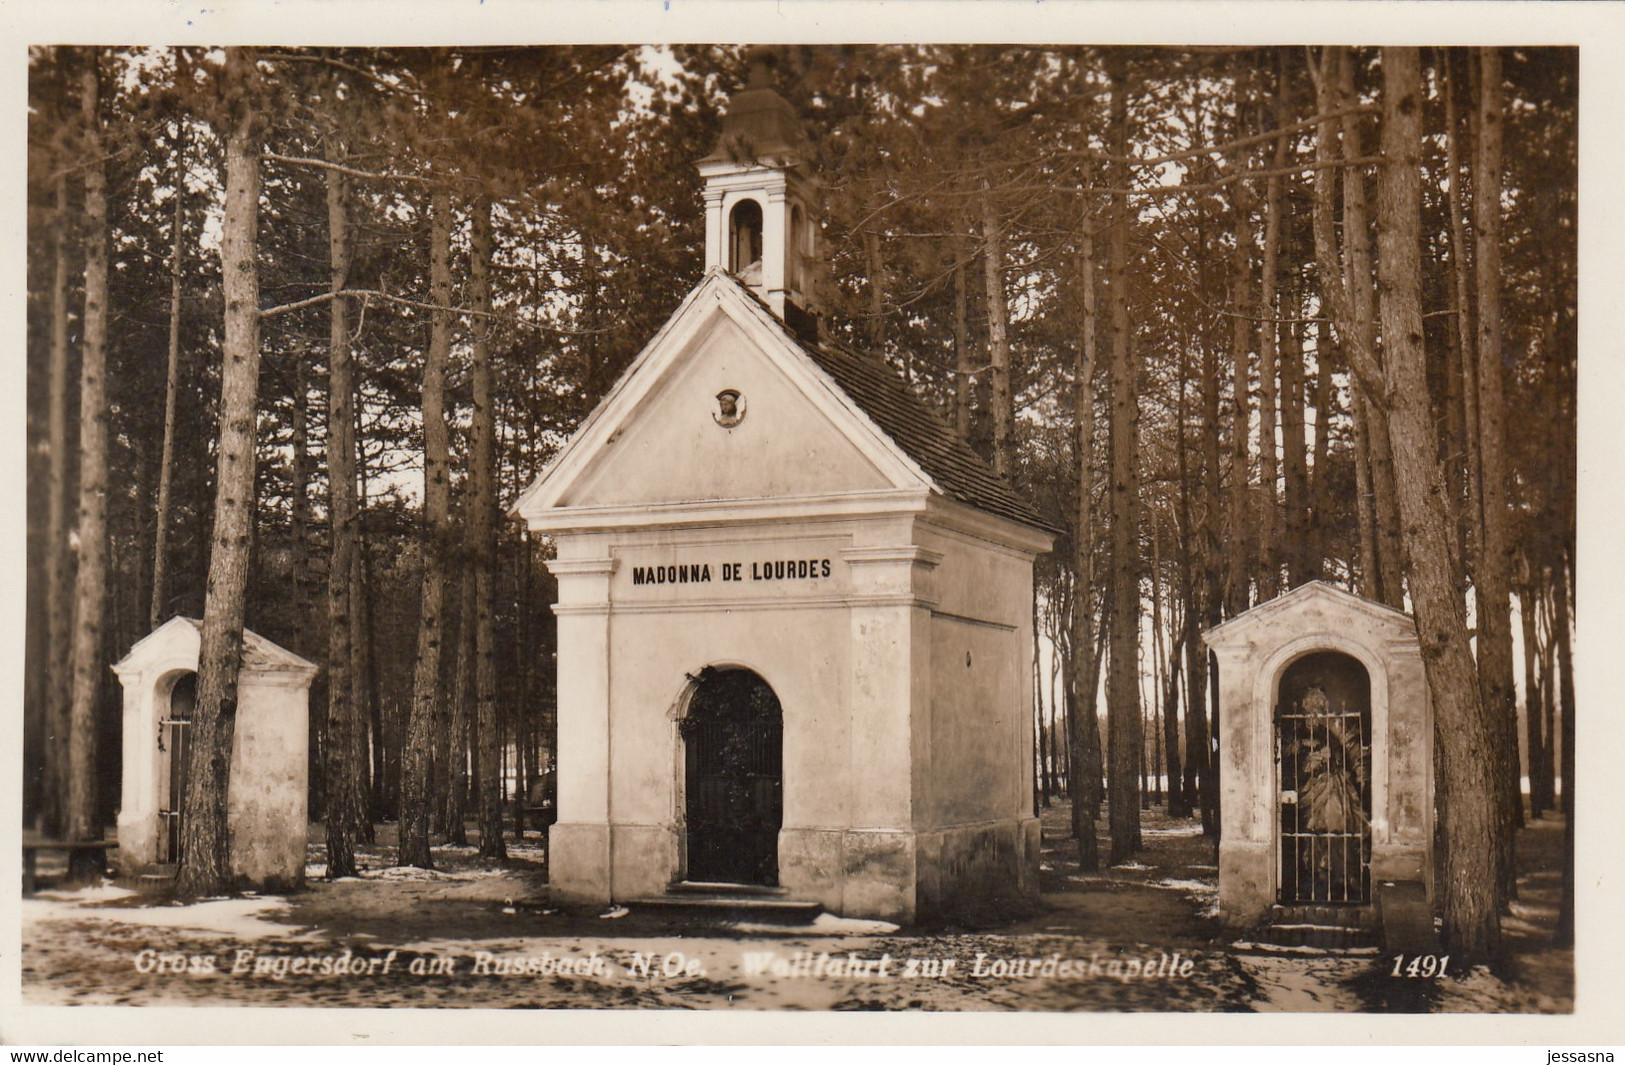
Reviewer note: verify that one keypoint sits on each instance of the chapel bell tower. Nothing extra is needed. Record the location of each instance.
(761, 200)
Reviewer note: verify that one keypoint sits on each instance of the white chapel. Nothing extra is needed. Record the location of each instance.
(795, 610)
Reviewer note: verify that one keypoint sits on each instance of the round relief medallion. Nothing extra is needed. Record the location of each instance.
(730, 408)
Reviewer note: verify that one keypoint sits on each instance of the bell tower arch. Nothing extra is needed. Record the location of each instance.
(761, 201)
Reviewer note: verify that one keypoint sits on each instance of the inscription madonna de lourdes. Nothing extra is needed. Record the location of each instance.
(794, 609)
(724, 570)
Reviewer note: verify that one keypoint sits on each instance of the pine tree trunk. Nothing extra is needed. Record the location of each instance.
(1365, 494)
(998, 337)
(1294, 541)
(1357, 262)
(964, 382)
(172, 373)
(1124, 725)
(1467, 359)
(1083, 722)
(1464, 746)
(416, 751)
(1564, 935)
(1211, 578)
(381, 798)
(205, 867)
(1493, 589)
(1320, 498)
(1346, 285)
(1041, 782)
(58, 559)
(1177, 807)
(299, 490)
(1168, 670)
(90, 585)
(455, 800)
(1199, 731)
(1385, 492)
(1269, 513)
(1534, 742)
(1302, 564)
(1238, 517)
(1195, 713)
(305, 641)
(483, 503)
(345, 767)
(1547, 647)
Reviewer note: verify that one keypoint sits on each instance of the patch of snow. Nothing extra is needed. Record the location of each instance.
(614, 912)
(1277, 948)
(825, 924)
(413, 873)
(1173, 830)
(530, 852)
(1132, 866)
(315, 870)
(1202, 888)
(1200, 891)
(244, 918)
(1531, 911)
(89, 895)
(829, 924)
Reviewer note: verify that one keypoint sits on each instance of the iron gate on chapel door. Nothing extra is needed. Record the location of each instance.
(1323, 755)
(733, 739)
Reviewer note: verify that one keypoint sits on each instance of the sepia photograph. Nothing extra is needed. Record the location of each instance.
(756, 524)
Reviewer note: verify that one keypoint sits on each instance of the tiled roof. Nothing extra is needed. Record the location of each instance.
(921, 434)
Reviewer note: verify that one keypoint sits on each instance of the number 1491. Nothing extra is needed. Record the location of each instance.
(1424, 966)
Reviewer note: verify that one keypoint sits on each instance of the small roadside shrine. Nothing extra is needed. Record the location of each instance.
(1326, 755)
(267, 798)
(795, 610)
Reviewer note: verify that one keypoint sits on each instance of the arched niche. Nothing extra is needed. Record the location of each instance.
(745, 233)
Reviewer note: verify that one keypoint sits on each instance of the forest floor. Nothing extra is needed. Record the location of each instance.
(1140, 936)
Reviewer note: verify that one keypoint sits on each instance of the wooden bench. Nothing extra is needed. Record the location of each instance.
(90, 849)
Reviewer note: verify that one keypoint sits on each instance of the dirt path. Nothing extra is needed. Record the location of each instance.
(1141, 936)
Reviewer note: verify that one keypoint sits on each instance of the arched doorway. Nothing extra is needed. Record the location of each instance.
(1323, 753)
(733, 749)
(174, 733)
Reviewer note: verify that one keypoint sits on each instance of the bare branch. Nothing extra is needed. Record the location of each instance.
(339, 64)
(372, 294)
(323, 164)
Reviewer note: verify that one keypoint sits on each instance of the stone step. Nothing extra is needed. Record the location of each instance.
(771, 906)
(1333, 937)
(1340, 915)
(706, 887)
(155, 879)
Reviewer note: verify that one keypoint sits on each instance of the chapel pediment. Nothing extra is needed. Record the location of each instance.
(727, 403)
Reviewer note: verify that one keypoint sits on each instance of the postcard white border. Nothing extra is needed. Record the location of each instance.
(1599, 30)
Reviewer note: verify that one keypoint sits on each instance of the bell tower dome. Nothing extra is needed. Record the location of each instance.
(761, 199)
